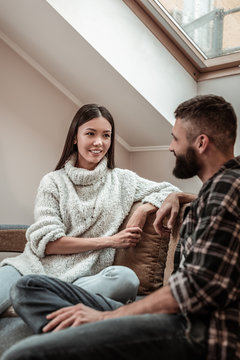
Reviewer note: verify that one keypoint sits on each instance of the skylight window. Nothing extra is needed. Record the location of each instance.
(203, 35)
(212, 25)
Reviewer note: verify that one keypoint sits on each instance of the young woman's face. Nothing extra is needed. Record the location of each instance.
(93, 141)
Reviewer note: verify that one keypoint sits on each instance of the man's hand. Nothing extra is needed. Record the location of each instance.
(72, 316)
(160, 301)
(170, 207)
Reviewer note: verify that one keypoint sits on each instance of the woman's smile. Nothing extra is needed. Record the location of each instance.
(93, 142)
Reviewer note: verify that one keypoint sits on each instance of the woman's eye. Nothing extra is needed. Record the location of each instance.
(107, 135)
(90, 133)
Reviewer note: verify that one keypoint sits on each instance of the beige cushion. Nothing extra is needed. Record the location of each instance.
(148, 258)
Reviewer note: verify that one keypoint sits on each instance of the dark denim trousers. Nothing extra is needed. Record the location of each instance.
(153, 336)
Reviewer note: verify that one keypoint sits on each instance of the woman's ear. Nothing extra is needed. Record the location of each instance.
(202, 142)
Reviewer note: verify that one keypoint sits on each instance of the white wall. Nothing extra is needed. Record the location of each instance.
(34, 120)
(158, 166)
(130, 47)
(123, 157)
(34, 117)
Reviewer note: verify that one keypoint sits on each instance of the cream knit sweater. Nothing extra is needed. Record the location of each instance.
(82, 203)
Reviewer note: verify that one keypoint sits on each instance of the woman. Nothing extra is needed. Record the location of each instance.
(79, 208)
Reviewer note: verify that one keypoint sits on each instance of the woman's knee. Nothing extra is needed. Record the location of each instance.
(123, 273)
(124, 279)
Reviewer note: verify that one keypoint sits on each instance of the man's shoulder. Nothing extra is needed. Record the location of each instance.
(223, 186)
(228, 178)
(224, 190)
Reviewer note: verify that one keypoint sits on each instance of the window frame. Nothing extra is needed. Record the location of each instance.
(181, 46)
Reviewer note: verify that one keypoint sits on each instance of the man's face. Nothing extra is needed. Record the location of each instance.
(187, 163)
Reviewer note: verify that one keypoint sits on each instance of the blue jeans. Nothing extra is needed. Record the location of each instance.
(8, 276)
(117, 282)
(153, 336)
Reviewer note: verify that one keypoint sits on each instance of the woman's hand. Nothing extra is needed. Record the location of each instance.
(128, 237)
(72, 316)
(139, 216)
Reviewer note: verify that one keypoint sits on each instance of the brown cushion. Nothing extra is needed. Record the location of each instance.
(148, 258)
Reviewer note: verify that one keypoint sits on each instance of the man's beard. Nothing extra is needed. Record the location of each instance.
(186, 165)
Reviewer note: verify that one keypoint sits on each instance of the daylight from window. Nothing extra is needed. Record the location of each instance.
(213, 25)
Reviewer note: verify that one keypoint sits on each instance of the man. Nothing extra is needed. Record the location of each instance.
(196, 316)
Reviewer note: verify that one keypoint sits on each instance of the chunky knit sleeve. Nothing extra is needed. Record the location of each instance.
(153, 192)
(48, 225)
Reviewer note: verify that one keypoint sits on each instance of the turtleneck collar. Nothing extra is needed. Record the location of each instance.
(80, 176)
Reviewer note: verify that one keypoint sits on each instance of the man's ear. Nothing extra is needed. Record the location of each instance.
(202, 142)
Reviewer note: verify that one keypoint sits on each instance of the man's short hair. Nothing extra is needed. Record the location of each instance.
(210, 115)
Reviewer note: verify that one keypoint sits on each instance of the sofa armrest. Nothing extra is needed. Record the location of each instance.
(12, 237)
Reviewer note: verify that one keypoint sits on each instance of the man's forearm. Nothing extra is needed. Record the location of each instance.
(161, 301)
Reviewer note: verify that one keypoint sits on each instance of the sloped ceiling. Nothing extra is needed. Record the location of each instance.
(49, 41)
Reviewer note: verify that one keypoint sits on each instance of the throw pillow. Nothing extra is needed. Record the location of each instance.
(148, 258)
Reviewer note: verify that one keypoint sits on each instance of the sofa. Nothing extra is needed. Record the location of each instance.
(151, 259)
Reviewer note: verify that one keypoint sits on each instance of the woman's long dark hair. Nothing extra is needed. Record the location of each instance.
(83, 115)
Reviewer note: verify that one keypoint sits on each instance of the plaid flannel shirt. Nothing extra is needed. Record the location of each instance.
(208, 279)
